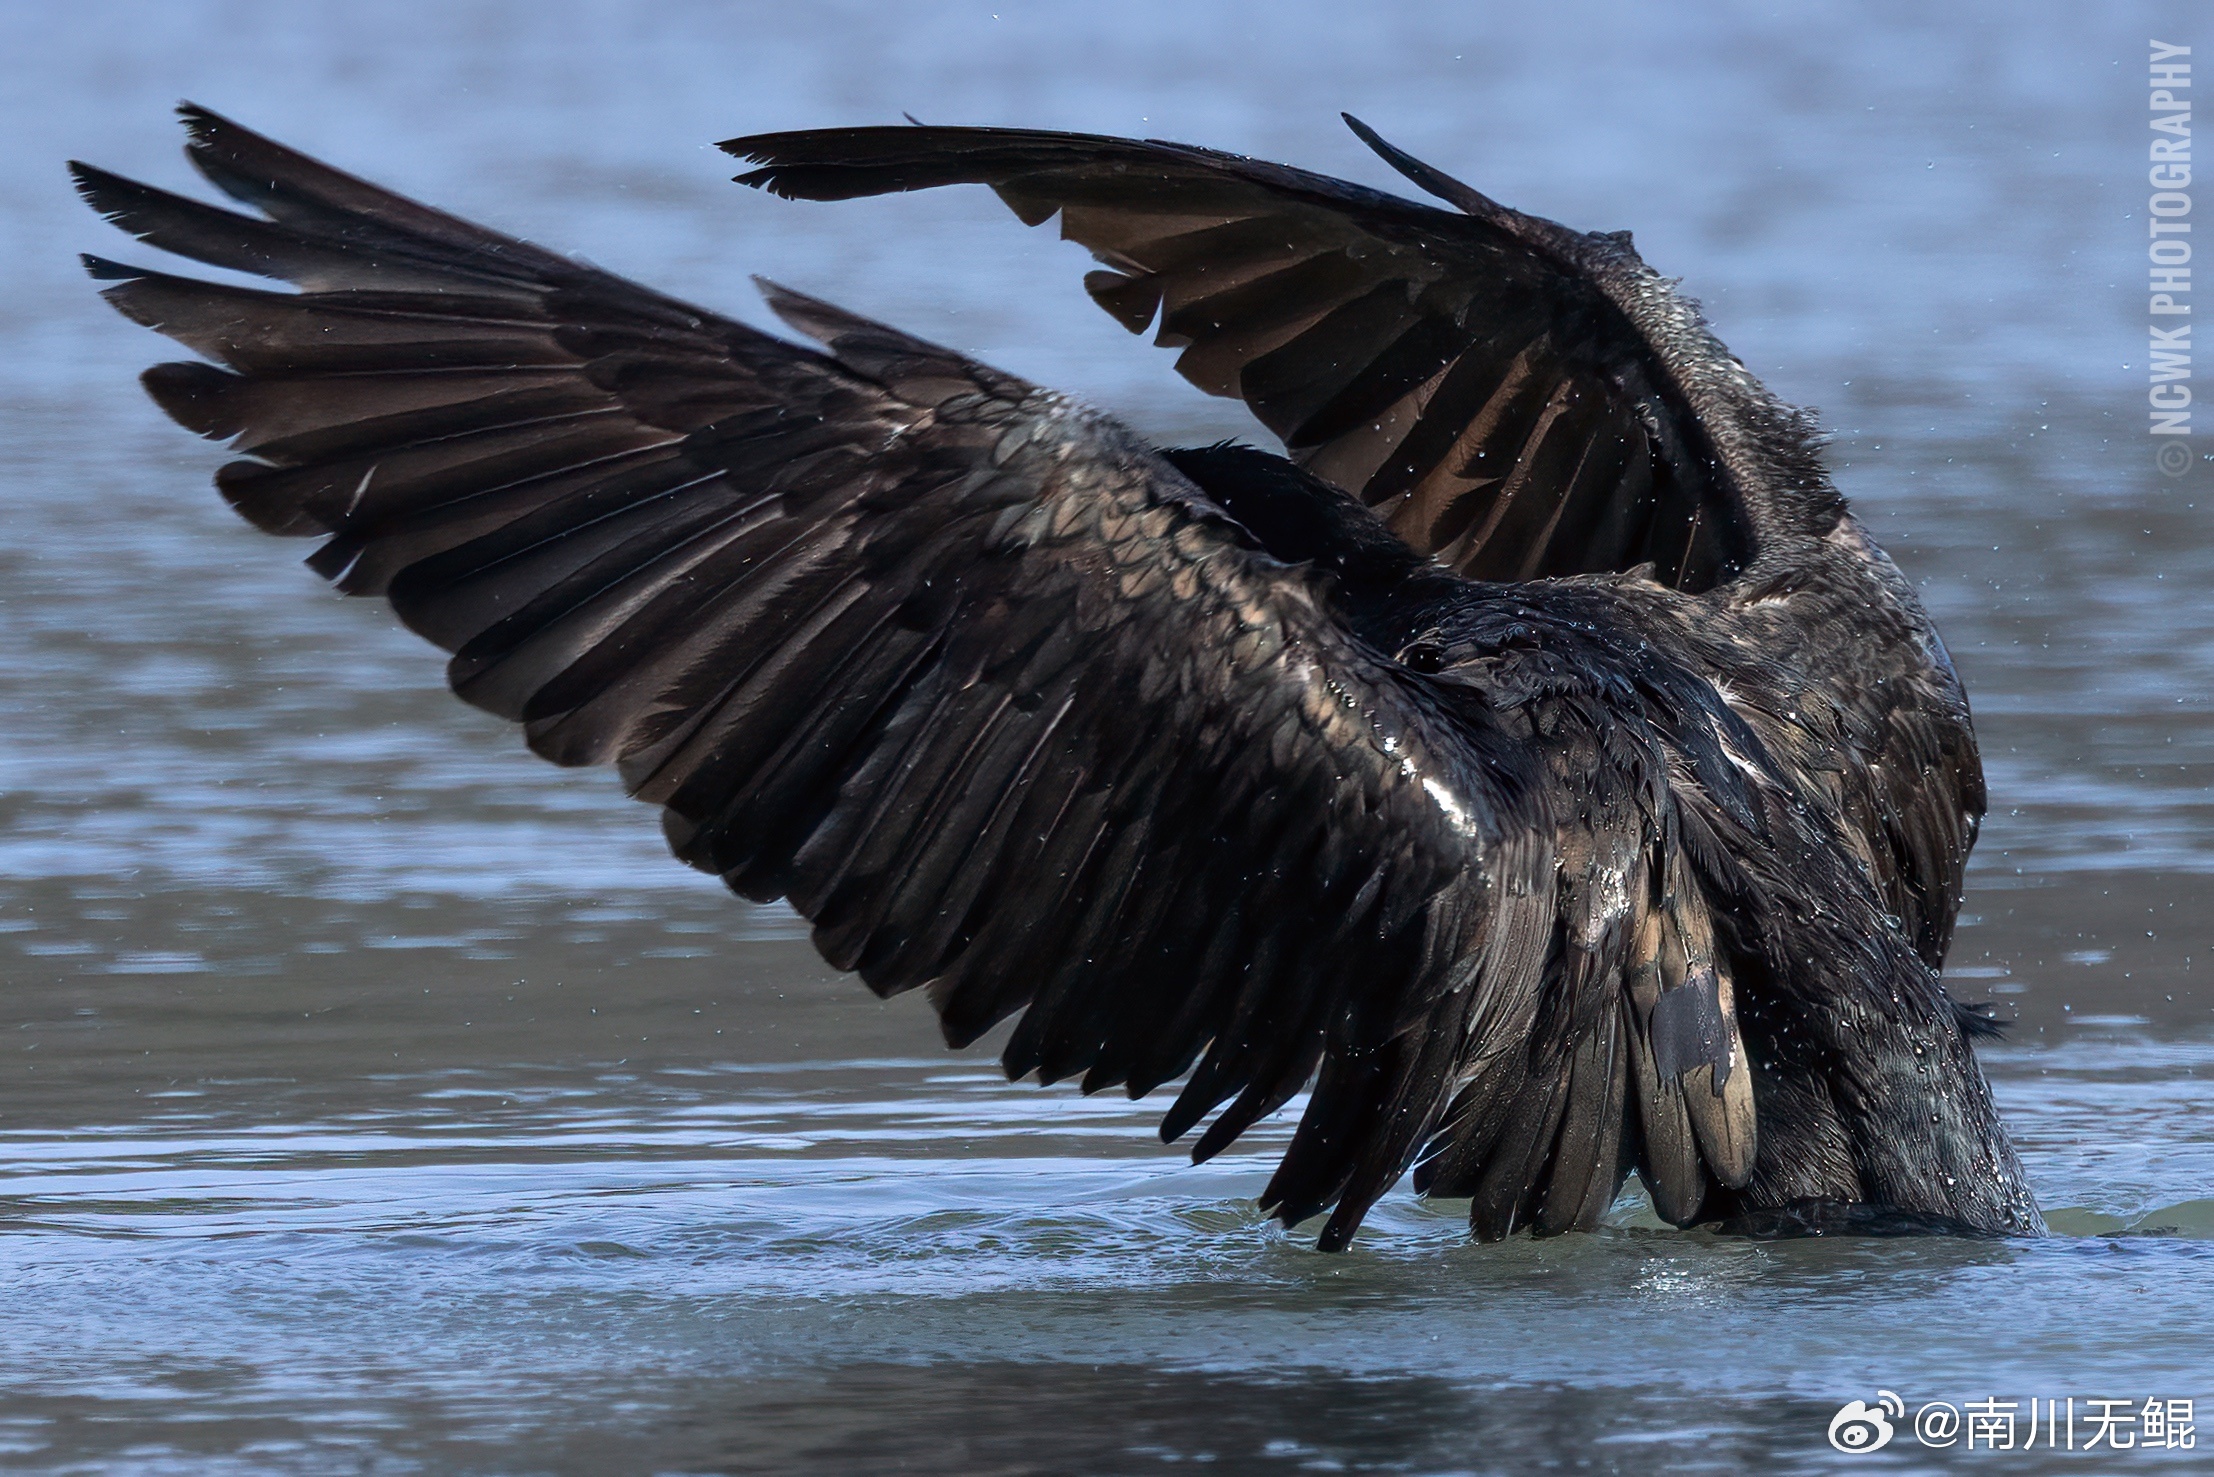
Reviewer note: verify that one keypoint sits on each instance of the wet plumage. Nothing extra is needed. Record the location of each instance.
(1540, 764)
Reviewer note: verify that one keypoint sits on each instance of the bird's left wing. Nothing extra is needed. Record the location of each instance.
(1516, 398)
(992, 693)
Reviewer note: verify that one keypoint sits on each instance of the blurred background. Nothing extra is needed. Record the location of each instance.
(370, 1091)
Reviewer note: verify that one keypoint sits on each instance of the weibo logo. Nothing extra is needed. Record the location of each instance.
(1859, 1426)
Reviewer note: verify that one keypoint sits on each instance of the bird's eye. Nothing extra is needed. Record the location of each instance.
(1423, 657)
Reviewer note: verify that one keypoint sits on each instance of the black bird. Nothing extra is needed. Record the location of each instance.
(1540, 761)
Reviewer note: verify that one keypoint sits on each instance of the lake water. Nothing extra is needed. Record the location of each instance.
(374, 1098)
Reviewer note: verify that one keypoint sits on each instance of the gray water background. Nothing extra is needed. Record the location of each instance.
(374, 1097)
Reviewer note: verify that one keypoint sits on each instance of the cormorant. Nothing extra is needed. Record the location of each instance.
(1540, 760)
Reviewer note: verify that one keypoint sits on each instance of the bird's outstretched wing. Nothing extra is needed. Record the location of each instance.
(991, 692)
(1517, 398)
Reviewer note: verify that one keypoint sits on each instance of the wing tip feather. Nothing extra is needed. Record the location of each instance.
(104, 191)
(196, 395)
(1430, 178)
(104, 269)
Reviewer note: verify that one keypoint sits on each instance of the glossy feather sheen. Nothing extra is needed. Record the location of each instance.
(1623, 834)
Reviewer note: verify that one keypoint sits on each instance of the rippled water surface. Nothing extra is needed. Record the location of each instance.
(374, 1098)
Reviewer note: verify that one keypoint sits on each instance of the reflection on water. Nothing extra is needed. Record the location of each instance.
(375, 1097)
